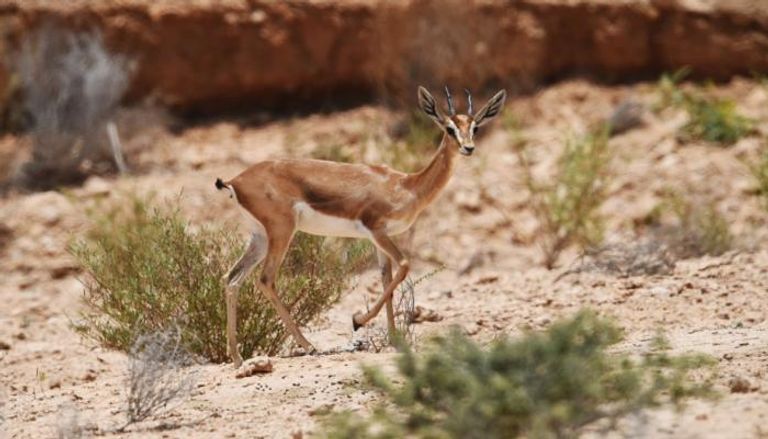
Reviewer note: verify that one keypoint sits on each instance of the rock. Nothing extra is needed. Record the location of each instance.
(96, 186)
(4, 346)
(421, 314)
(253, 366)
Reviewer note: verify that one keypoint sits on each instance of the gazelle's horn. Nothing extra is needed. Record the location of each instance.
(451, 111)
(469, 101)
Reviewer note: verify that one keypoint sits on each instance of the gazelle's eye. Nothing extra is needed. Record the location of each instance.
(451, 131)
(474, 130)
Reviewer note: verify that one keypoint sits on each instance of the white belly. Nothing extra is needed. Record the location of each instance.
(311, 221)
(396, 227)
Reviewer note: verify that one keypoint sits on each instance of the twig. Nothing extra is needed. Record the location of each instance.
(116, 147)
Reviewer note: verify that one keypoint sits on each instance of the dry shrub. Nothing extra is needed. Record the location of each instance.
(158, 374)
(557, 383)
(404, 304)
(690, 228)
(567, 206)
(679, 229)
(70, 86)
(147, 270)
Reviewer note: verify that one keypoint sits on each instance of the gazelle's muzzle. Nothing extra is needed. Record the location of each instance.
(467, 149)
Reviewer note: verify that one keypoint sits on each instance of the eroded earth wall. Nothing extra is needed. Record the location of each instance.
(217, 55)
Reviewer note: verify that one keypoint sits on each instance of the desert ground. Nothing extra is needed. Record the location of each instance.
(481, 230)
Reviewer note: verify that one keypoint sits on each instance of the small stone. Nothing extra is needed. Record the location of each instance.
(254, 366)
(4, 346)
(473, 330)
(322, 409)
(739, 385)
(487, 280)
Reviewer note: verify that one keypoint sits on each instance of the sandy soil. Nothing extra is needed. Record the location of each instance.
(481, 229)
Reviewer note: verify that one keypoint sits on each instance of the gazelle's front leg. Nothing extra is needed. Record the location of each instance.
(385, 265)
(255, 252)
(384, 244)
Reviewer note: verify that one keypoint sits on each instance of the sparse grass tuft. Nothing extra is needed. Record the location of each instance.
(760, 173)
(415, 142)
(668, 90)
(567, 208)
(550, 384)
(147, 270)
(334, 151)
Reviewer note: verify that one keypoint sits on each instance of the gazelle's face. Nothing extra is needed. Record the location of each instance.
(461, 128)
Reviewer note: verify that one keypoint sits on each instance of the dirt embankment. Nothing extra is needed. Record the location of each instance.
(208, 56)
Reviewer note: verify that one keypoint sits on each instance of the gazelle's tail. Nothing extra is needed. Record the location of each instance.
(221, 185)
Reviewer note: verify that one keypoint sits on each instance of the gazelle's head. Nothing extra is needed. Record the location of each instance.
(461, 128)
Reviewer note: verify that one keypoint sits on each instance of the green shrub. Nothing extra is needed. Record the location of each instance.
(709, 119)
(715, 120)
(567, 208)
(550, 384)
(148, 271)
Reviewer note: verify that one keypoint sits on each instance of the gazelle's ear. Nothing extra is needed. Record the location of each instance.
(428, 105)
(491, 109)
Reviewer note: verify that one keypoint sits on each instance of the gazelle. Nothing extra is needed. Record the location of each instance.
(344, 200)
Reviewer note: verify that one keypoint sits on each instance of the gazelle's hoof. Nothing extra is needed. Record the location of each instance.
(355, 325)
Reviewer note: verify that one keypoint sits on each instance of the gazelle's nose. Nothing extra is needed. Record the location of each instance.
(467, 149)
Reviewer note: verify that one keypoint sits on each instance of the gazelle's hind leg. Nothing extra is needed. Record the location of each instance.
(254, 253)
(385, 265)
(280, 237)
(384, 243)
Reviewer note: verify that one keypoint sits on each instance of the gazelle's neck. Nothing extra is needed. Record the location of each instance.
(427, 183)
